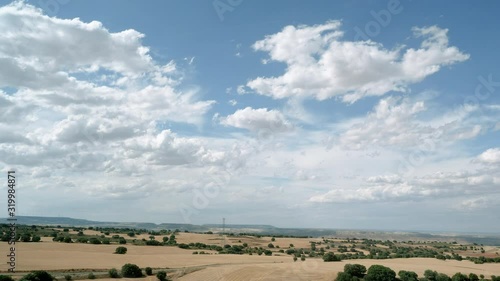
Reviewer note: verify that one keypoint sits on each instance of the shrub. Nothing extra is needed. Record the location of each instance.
(67, 277)
(36, 238)
(149, 271)
(342, 276)
(6, 278)
(82, 240)
(357, 270)
(161, 275)
(130, 270)
(95, 241)
(473, 277)
(459, 277)
(91, 276)
(38, 275)
(330, 257)
(113, 273)
(153, 243)
(380, 273)
(407, 275)
(121, 250)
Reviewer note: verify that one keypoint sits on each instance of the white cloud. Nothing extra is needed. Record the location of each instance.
(257, 120)
(396, 122)
(385, 188)
(82, 92)
(490, 156)
(42, 46)
(167, 148)
(474, 204)
(320, 65)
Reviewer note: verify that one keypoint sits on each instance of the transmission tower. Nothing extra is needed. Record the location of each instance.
(223, 240)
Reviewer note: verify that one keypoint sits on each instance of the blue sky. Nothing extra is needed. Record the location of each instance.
(341, 114)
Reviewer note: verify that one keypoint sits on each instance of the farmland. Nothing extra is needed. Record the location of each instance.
(189, 256)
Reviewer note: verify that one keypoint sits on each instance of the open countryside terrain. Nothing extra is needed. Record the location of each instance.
(262, 257)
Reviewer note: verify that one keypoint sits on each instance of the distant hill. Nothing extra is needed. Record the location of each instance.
(486, 239)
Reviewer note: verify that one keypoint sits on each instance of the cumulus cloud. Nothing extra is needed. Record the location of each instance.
(321, 65)
(167, 148)
(388, 188)
(490, 156)
(257, 120)
(396, 122)
(80, 96)
(39, 44)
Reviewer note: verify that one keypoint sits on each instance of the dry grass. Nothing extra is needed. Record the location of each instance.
(313, 269)
(52, 256)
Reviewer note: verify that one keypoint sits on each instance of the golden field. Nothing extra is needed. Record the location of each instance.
(55, 256)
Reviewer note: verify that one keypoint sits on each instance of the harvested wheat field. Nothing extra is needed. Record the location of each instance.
(61, 256)
(315, 269)
(58, 256)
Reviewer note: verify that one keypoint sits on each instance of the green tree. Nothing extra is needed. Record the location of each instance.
(380, 273)
(342, 276)
(473, 277)
(148, 270)
(130, 270)
(430, 275)
(91, 276)
(6, 278)
(113, 273)
(357, 270)
(161, 275)
(36, 238)
(68, 277)
(38, 275)
(270, 245)
(121, 250)
(407, 275)
(442, 277)
(94, 241)
(26, 237)
(328, 257)
(459, 277)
